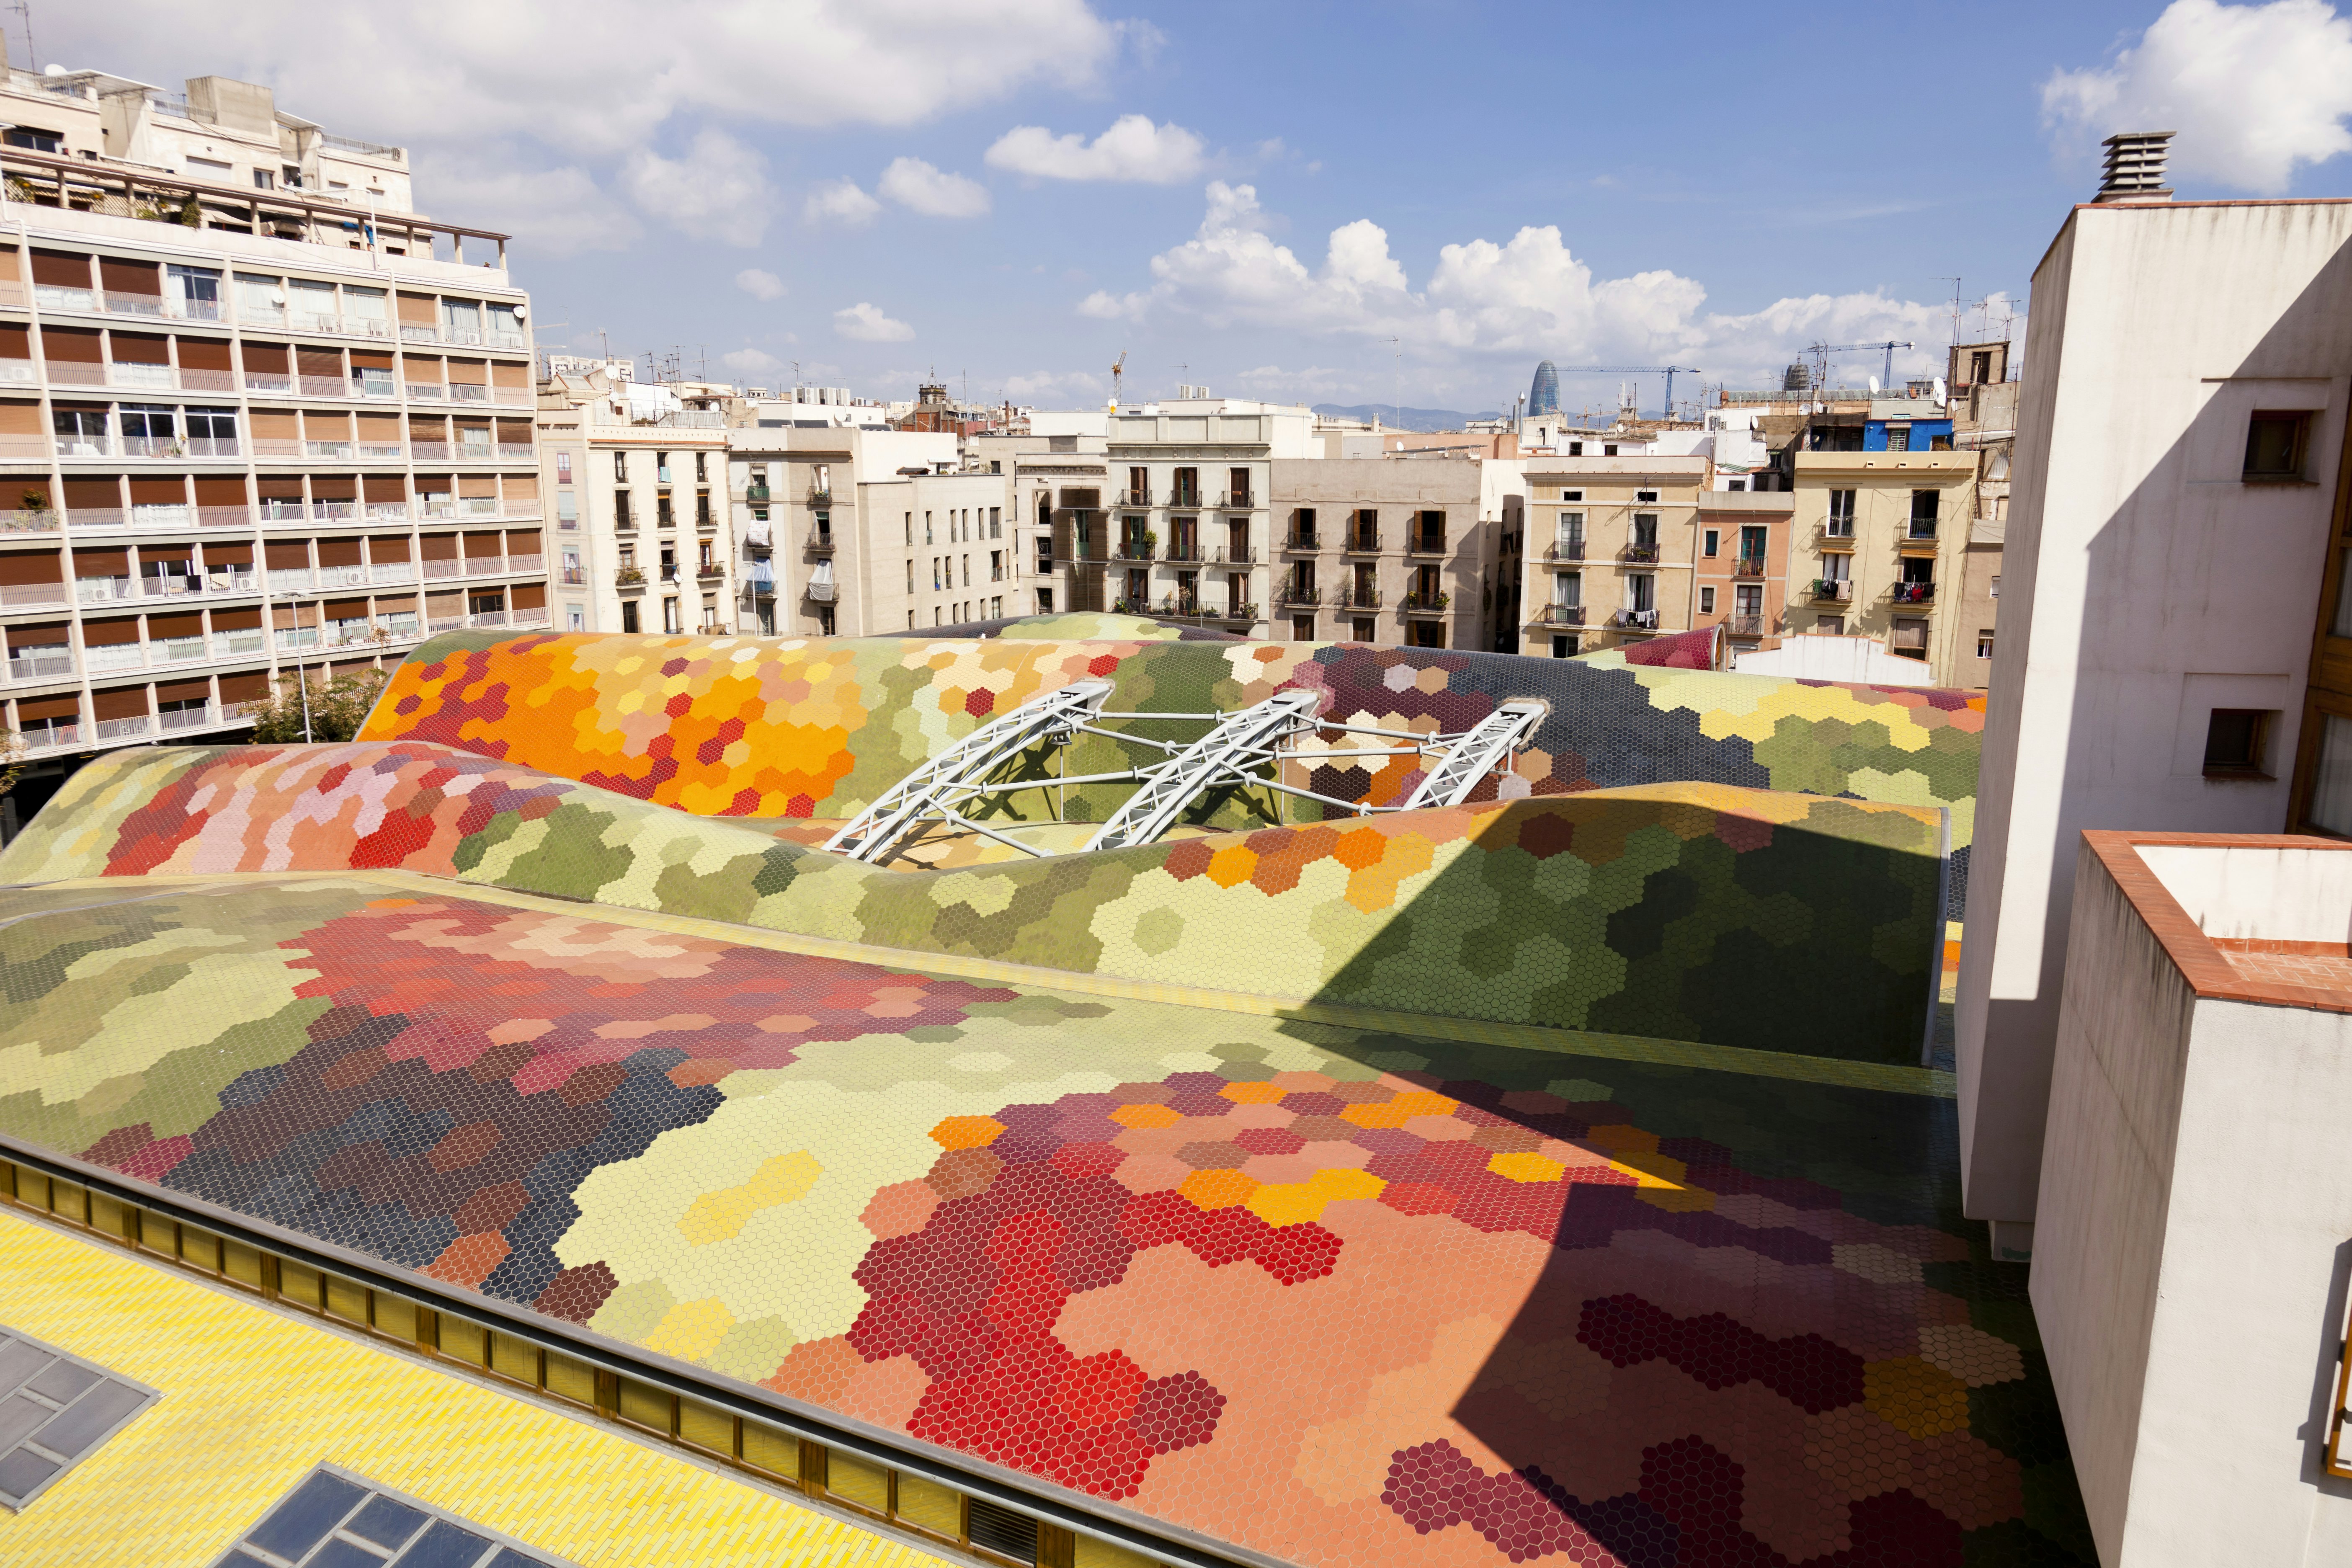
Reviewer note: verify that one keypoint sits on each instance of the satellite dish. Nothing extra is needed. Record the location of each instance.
(1874, 386)
(53, 69)
(1940, 394)
(522, 312)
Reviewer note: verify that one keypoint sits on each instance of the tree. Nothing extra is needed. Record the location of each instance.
(11, 759)
(337, 708)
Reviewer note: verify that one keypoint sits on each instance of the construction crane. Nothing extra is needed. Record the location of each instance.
(1117, 369)
(1668, 371)
(1822, 352)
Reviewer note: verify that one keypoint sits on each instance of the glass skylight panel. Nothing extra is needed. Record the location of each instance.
(55, 1410)
(336, 1518)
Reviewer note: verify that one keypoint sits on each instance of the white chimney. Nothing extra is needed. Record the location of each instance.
(2135, 168)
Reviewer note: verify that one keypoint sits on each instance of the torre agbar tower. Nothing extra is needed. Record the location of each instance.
(255, 416)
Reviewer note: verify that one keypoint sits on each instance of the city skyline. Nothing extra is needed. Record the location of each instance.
(1011, 197)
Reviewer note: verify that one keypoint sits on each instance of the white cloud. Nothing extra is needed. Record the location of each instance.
(564, 86)
(2253, 91)
(759, 283)
(868, 324)
(718, 191)
(1486, 302)
(559, 211)
(1133, 149)
(841, 201)
(751, 362)
(1068, 388)
(919, 187)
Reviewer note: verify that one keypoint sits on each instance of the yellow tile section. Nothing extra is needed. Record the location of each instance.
(254, 1398)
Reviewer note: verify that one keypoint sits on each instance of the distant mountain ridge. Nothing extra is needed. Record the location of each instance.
(1406, 419)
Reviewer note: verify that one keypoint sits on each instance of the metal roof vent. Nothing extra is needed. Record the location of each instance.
(2135, 171)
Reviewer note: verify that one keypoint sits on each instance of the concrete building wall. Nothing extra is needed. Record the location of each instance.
(2148, 583)
(1873, 557)
(1609, 497)
(2188, 1272)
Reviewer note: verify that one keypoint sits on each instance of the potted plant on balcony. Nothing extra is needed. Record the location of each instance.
(628, 576)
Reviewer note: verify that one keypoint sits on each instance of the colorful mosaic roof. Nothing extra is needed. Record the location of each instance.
(1538, 1179)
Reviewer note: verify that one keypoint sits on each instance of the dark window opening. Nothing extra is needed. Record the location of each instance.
(2276, 445)
(2235, 739)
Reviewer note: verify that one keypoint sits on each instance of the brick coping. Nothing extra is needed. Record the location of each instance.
(2203, 961)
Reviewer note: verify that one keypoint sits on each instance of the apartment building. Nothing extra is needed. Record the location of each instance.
(1984, 423)
(643, 541)
(1741, 571)
(829, 529)
(1610, 553)
(1050, 473)
(242, 431)
(1388, 549)
(1882, 531)
(1186, 528)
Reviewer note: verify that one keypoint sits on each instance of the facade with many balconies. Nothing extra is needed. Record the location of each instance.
(1612, 551)
(225, 455)
(1883, 532)
(1397, 550)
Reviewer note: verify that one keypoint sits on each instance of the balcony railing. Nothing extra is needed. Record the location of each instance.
(76, 373)
(822, 593)
(1130, 498)
(1635, 620)
(147, 377)
(1137, 550)
(51, 737)
(1362, 541)
(119, 728)
(1834, 590)
(1747, 566)
(1425, 604)
(1561, 615)
(1184, 550)
(32, 596)
(39, 520)
(1565, 550)
(1424, 544)
(53, 666)
(1356, 599)
(820, 541)
(1913, 593)
(1301, 539)
(1641, 553)
(820, 495)
(1744, 625)
(424, 391)
(189, 718)
(1236, 501)
(757, 495)
(629, 577)
(1232, 556)
(381, 572)
(1287, 594)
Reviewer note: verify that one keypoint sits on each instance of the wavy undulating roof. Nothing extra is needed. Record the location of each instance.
(1546, 1176)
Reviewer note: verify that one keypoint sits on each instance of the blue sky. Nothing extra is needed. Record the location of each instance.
(1319, 202)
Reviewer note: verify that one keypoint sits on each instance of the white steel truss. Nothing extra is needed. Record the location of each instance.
(1235, 744)
(953, 778)
(1474, 753)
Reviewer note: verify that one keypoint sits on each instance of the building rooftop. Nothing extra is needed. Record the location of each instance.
(1554, 1171)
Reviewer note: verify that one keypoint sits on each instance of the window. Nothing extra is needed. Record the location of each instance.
(1984, 645)
(1923, 513)
(1563, 648)
(1898, 437)
(1045, 601)
(1712, 539)
(621, 466)
(1706, 598)
(701, 468)
(562, 468)
(1942, 443)
(575, 618)
(50, 142)
(1830, 626)
(1646, 497)
(339, 1517)
(2331, 781)
(2236, 740)
(60, 1409)
(1996, 585)
(264, 180)
(1608, 448)
(628, 615)
(1576, 449)
(2276, 445)
(1910, 639)
(1571, 495)
(1841, 525)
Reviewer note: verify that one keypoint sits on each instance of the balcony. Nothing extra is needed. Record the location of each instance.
(1640, 554)
(1184, 550)
(1301, 539)
(383, 571)
(1913, 592)
(422, 391)
(757, 495)
(143, 376)
(822, 593)
(442, 566)
(1561, 615)
(1748, 566)
(51, 737)
(322, 385)
(1834, 590)
(1356, 599)
(1565, 550)
(1135, 551)
(819, 541)
(1237, 501)
(1917, 543)
(1361, 541)
(262, 384)
(515, 451)
(76, 373)
(56, 665)
(33, 520)
(95, 516)
(708, 571)
(817, 495)
(1303, 598)
(1425, 604)
(1744, 625)
(194, 717)
(1424, 544)
(1130, 498)
(123, 729)
(1185, 496)
(629, 579)
(1228, 555)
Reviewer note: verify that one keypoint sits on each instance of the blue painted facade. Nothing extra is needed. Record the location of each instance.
(1923, 433)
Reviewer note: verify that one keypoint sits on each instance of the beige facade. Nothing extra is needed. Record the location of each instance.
(1885, 536)
(1380, 550)
(1611, 551)
(640, 526)
(230, 455)
(1742, 566)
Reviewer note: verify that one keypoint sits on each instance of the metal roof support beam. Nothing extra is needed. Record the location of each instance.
(963, 769)
(1174, 785)
(1474, 755)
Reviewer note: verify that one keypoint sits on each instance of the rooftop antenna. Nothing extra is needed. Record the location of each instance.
(1955, 309)
(1118, 370)
(1396, 382)
(32, 55)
